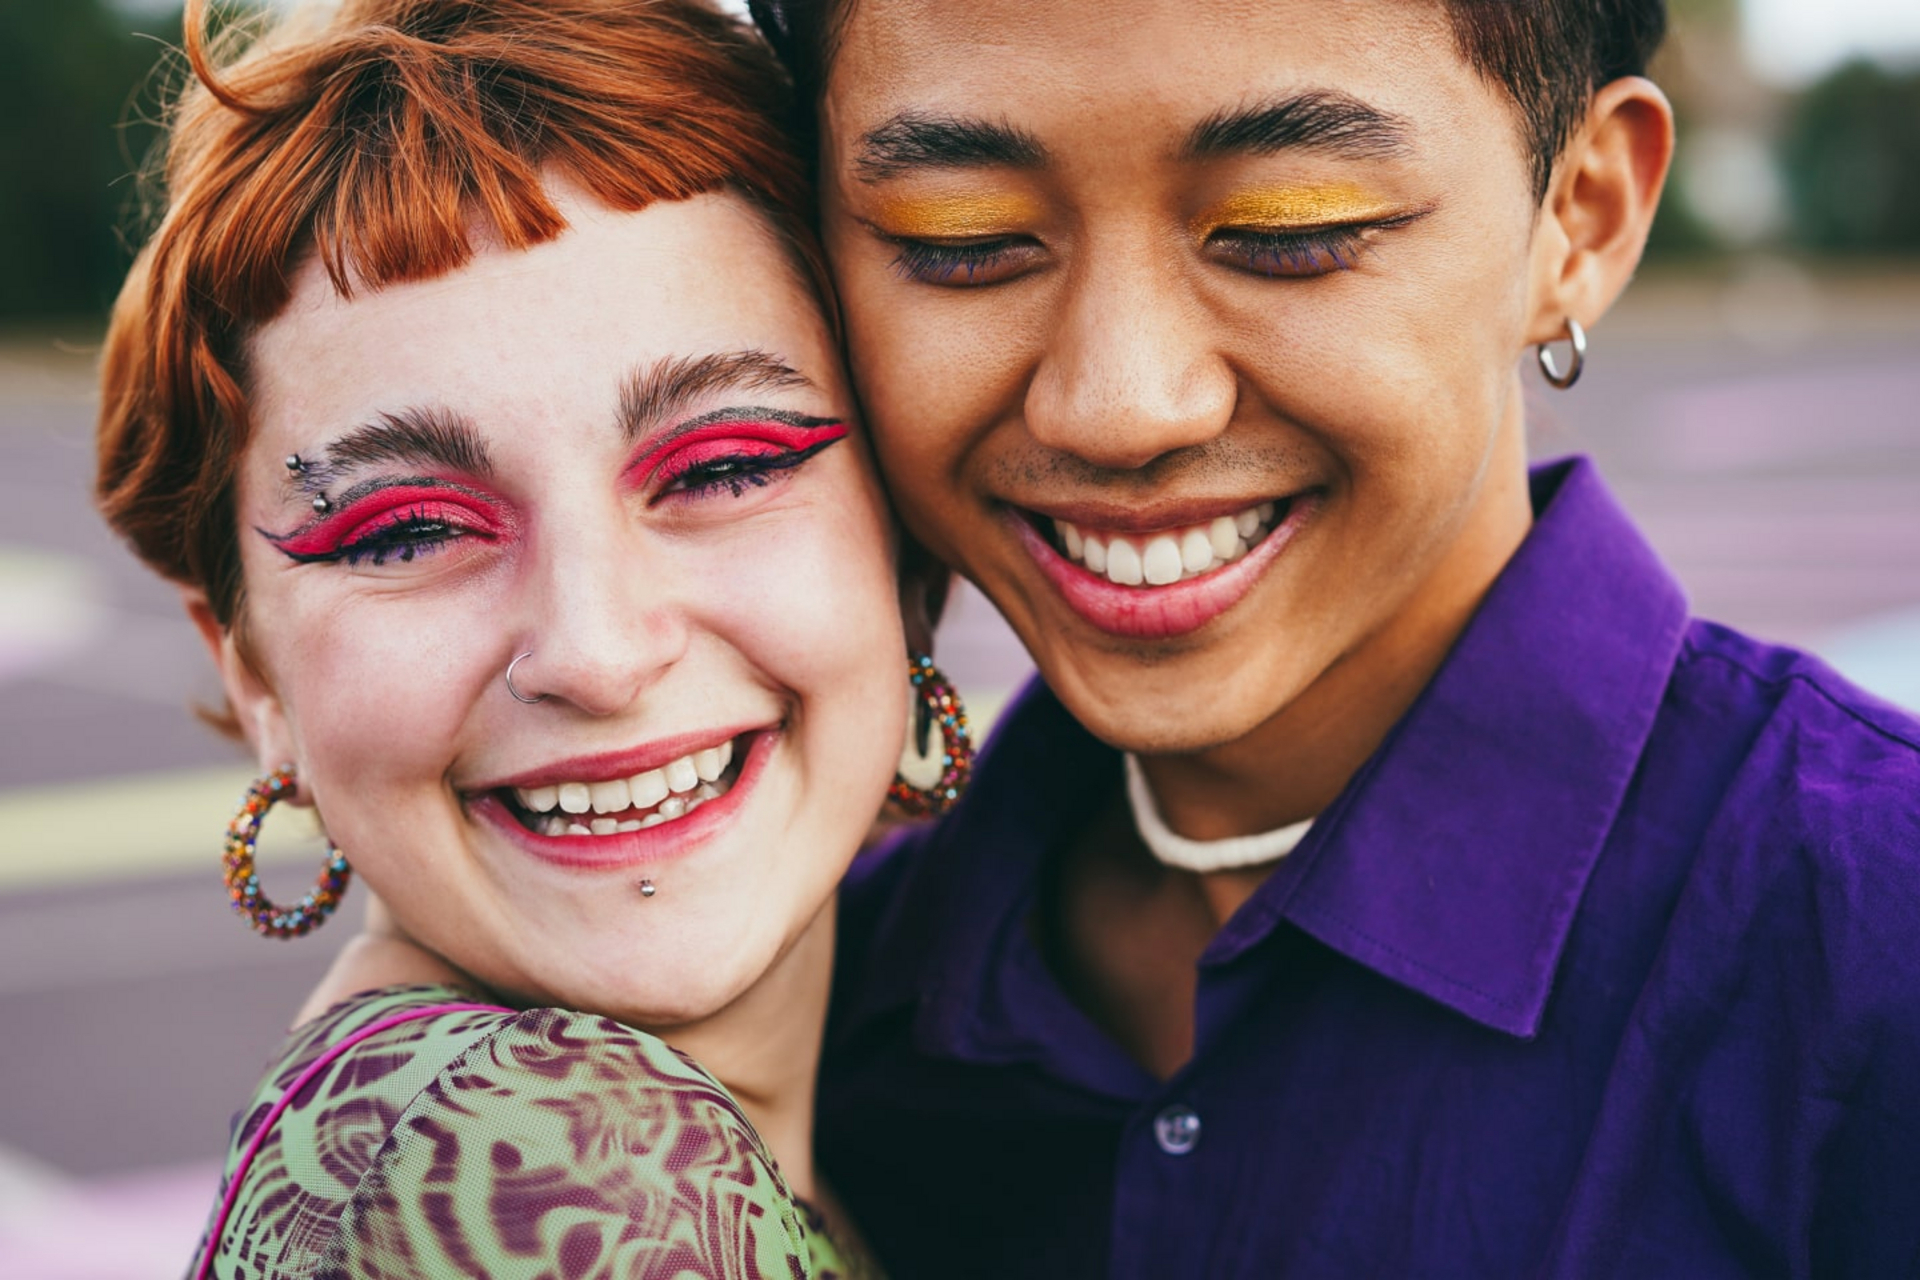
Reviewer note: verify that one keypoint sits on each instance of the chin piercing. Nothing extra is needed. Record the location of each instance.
(321, 505)
(646, 888)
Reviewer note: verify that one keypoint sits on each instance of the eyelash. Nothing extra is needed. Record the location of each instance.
(1295, 255)
(409, 531)
(931, 262)
(733, 472)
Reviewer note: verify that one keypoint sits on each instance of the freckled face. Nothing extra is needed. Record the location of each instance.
(1188, 332)
(627, 452)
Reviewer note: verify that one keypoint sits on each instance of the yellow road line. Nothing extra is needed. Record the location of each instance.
(157, 822)
(118, 826)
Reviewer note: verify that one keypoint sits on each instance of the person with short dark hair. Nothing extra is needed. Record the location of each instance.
(1386, 876)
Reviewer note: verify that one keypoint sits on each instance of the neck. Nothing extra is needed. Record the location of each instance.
(765, 1048)
(1293, 765)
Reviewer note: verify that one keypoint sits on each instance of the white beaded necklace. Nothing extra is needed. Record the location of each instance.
(1202, 856)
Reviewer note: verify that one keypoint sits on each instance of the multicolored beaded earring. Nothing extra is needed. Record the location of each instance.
(931, 777)
(243, 882)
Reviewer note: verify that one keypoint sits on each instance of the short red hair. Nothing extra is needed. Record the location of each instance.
(375, 139)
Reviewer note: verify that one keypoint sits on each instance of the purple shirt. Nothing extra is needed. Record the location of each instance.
(1606, 965)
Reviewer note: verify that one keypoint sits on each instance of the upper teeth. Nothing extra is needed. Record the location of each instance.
(671, 791)
(1171, 556)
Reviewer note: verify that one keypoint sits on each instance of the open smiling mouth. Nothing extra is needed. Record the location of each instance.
(1136, 581)
(616, 806)
(1168, 556)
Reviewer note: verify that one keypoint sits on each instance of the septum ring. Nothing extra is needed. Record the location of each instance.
(517, 695)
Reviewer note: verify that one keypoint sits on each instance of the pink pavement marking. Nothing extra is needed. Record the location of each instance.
(1787, 418)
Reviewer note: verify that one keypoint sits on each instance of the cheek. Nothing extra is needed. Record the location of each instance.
(809, 598)
(376, 688)
(923, 440)
(1398, 373)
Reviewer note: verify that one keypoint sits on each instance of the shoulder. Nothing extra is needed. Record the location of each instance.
(426, 1139)
(1787, 984)
(1818, 765)
(931, 886)
(327, 1104)
(1807, 878)
(564, 1135)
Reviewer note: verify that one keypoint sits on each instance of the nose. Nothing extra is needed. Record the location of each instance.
(1133, 368)
(606, 622)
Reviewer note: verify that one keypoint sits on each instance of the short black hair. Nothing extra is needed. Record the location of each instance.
(1548, 56)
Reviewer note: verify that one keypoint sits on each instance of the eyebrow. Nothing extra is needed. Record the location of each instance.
(667, 387)
(430, 435)
(916, 140)
(1316, 120)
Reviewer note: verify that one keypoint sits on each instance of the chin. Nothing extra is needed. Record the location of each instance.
(1156, 712)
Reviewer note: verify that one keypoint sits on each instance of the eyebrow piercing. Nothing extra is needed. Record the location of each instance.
(295, 463)
(321, 505)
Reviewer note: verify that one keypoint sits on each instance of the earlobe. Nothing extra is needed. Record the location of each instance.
(1606, 189)
(924, 586)
(256, 707)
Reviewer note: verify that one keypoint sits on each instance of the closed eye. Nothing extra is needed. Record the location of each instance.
(963, 263)
(400, 519)
(751, 467)
(723, 454)
(1299, 252)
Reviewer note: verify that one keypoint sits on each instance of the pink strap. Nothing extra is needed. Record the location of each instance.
(305, 1078)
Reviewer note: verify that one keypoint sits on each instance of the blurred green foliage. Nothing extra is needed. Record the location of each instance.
(78, 94)
(75, 98)
(1851, 153)
(75, 102)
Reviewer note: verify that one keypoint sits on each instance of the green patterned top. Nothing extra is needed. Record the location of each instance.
(537, 1143)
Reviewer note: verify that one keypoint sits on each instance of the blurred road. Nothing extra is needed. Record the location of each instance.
(1765, 430)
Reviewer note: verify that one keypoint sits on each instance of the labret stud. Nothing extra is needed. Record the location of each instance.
(646, 888)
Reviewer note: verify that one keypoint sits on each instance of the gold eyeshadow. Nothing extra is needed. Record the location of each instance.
(957, 217)
(1294, 206)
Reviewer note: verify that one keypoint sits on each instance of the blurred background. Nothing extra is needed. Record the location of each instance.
(1754, 401)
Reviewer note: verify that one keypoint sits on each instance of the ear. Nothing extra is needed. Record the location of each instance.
(255, 706)
(1599, 207)
(924, 584)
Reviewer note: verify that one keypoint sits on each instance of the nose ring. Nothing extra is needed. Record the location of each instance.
(517, 695)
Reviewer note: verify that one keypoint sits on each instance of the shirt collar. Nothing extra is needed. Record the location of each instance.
(1453, 863)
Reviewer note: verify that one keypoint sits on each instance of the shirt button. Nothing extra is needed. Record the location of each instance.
(1177, 1130)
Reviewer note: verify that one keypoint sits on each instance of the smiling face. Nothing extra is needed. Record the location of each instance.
(625, 452)
(1189, 333)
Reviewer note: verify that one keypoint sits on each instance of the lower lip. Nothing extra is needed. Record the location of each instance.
(622, 849)
(1161, 613)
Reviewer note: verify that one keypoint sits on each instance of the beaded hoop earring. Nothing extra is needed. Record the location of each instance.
(931, 778)
(243, 881)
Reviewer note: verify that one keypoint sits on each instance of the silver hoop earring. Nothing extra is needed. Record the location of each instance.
(517, 695)
(1577, 337)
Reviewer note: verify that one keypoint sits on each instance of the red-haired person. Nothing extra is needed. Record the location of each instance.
(476, 390)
